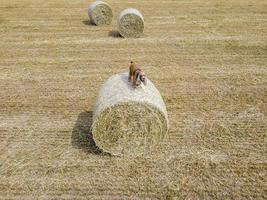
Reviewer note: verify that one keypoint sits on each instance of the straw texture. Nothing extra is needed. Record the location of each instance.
(131, 23)
(100, 13)
(127, 120)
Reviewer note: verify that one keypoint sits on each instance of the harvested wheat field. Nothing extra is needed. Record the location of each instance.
(207, 58)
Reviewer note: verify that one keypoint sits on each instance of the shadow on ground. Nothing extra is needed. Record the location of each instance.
(82, 137)
(88, 22)
(114, 34)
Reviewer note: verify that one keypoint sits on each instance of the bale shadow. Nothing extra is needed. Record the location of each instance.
(88, 22)
(114, 34)
(82, 137)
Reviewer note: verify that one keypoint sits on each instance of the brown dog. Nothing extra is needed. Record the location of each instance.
(136, 75)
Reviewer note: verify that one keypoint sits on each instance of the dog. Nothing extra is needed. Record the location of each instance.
(136, 75)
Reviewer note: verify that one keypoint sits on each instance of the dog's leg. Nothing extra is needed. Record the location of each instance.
(145, 81)
(130, 78)
(134, 82)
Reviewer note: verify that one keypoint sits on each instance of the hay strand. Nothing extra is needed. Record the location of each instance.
(131, 23)
(127, 120)
(100, 13)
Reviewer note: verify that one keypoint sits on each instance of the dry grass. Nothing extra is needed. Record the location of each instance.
(100, 13)
(131, 23)
(208, 59)
(127, 120)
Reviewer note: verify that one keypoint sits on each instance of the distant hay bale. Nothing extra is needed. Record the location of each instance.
(131, 23)
(100, 13)
(127, 120)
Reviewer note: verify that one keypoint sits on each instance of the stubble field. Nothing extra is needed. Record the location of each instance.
(208, 59)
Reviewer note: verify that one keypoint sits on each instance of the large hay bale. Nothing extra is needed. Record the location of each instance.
(127, 120)
(131, 23)
(100, 13)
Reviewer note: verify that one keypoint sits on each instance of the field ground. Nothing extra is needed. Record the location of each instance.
(208, 59)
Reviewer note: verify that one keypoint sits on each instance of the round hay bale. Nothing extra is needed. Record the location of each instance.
(100, 13)
(127, 120)
(131, 23)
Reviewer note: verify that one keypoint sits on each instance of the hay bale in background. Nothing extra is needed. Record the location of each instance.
(100, 13)
(131, 23)
(127, 120)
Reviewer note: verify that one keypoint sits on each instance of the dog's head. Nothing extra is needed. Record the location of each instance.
(142, 77)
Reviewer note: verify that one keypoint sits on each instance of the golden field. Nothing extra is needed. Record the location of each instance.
(208, 59)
